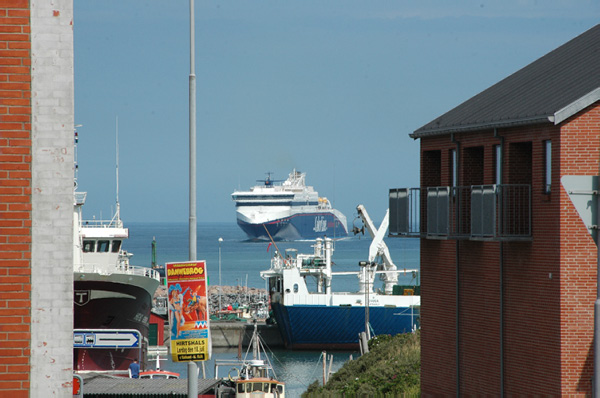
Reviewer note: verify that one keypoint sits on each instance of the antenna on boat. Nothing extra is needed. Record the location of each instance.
(117, 216)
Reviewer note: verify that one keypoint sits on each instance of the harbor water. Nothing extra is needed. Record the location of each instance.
(240, 262)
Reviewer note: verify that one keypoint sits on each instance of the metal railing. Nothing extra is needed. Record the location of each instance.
(118, 269)
(477, 212)
(405, 212)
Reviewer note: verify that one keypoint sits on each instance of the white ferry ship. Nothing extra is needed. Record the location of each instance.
(287, 211)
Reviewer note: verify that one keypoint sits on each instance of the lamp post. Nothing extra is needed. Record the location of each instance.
(220, 286)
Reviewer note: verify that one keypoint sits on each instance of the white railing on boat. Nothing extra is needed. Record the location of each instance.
(102, 223)
(119, 269)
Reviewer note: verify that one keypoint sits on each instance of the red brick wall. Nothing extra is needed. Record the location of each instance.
(532, 300)
(15, 198)
(579, 155)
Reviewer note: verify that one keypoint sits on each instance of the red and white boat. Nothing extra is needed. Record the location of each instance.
(158, 373)
(110, 295)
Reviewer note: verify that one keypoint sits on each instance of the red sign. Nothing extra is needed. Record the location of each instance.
(188, 311)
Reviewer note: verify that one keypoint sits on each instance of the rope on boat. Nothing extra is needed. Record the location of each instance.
(273, 242)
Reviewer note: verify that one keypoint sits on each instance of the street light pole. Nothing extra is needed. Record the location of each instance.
(192, 140)
(220, 286)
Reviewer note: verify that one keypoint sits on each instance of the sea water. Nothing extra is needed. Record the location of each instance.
(236, 261)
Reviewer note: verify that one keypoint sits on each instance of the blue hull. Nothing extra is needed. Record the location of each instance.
(318, 327)
(298, 226)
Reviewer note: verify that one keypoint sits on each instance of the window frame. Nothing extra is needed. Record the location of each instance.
(547, 145)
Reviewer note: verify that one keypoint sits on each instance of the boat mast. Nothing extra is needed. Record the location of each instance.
(117, 216)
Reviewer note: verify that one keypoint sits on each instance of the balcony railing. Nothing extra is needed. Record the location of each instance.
(405, 209)
(477, 212)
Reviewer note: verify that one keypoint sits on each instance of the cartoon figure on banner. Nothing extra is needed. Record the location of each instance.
(176, 306)
(197, 304)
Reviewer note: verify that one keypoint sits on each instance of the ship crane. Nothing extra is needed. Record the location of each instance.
(387, 270)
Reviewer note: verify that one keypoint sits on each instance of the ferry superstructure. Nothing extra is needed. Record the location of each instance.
(287, 211)
(311, 316)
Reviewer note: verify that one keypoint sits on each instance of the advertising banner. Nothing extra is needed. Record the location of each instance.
(188, 311)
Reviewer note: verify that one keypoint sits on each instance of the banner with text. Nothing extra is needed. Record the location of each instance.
(188, 311)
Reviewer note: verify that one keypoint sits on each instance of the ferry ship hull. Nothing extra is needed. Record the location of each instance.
(295, 227)
(328, 327)
(118, 301)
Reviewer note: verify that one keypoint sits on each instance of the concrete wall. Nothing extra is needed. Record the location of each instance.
(228, 335)
(52, 141)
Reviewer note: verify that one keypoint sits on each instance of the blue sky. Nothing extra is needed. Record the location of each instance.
(332, 88)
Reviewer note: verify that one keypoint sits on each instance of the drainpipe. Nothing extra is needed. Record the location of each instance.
(457, 260)
(500, 177)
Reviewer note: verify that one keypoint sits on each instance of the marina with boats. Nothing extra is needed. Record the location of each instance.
(232, 323)
(125, 313)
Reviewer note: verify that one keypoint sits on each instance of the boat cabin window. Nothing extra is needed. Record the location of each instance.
(295, 288)
(89, 246)
(103, 246)
(241, 387)
(263, 387)
(116, 246)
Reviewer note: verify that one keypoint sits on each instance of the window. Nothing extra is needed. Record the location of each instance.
(116, 245)
(258, 387)
(547, 166)
(89, 246)
(103, 246)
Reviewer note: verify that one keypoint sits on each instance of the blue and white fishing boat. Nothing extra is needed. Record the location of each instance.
(287, 211)
(311, 316)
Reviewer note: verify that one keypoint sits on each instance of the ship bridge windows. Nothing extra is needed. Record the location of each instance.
(116, 246)
(263, 198)
(103, 246)
(89, 246)
(250, 387)
(261, 203)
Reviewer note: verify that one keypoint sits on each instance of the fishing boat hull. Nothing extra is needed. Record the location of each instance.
(337, 327)
(119, 301)
(294, 227)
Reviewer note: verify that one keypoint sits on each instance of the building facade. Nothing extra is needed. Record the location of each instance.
(36, 198)
(508, 267)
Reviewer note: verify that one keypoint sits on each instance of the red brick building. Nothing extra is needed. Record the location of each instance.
(36, 198)
(508, 268)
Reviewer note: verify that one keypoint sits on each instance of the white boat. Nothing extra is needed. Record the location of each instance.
(253, 377)
(158, 373)
(287, 211)
(112, 298)
(312, 316)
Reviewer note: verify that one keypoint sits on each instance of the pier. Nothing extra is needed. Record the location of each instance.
(234, 334)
